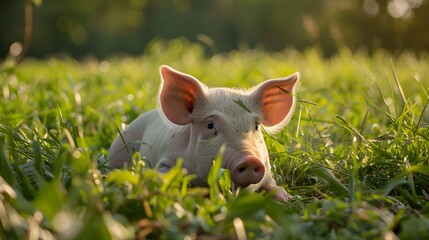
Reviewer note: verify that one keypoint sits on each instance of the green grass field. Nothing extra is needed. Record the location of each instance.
(355, 155)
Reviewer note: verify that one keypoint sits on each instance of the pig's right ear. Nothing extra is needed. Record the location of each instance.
(178, 95)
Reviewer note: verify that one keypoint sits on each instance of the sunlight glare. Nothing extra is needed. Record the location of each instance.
(370, 7)
(15, 49)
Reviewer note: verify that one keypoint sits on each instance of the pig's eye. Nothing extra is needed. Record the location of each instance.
(210, 130)
(257, 125)
(210, 125)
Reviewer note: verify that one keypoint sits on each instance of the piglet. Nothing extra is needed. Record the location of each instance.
(194, 121)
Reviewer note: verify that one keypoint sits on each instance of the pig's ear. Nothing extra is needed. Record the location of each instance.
(178, 95)
(277, 100)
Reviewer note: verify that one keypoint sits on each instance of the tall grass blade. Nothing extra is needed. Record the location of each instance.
(389, 113)
(363, 126)
(246, 204)
(173, 177)
(318, 132)
(298, 122)
(37, 150)
(329, 179)
(103, 164)
(5, 168)
(398, 84)
(61, 163)
(404, 178)
(422, 114)
(212, 178)
(241, 104)
(27, 188)
(393, 184)
(352, 129)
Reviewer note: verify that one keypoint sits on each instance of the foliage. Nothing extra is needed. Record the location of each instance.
(106, 27)
(355, 155)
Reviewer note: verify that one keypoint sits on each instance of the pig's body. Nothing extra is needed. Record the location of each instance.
(194, 121)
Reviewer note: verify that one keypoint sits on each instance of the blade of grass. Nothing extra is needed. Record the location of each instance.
(398, 84)
(422, 114)
(241, 104)
(403, 179)
(37, 156)
(317, 131)
(393, 184)
(26, 188)
(5, 169)
(363, 126)
(330, 180)
(352, 129)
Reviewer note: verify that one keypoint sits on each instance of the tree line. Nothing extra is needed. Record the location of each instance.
(106, 27)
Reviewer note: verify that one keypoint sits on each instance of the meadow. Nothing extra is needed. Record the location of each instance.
(355, 155)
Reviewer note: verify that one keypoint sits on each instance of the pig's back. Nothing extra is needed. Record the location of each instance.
(132, 137)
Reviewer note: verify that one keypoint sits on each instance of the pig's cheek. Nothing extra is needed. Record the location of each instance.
(260, 139)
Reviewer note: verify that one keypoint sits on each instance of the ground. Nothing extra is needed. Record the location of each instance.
(355, 155)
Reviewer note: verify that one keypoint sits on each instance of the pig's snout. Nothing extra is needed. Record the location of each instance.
(248, 170)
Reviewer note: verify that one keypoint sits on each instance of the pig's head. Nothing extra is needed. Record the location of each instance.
(230, 117)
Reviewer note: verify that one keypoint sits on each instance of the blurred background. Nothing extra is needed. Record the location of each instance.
(103, 28)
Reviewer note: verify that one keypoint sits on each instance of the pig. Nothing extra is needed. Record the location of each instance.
(194, 121)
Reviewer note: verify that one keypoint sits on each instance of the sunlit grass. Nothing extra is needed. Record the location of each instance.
(355, 155)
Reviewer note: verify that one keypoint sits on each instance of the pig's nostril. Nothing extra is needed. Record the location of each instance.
(244, 168)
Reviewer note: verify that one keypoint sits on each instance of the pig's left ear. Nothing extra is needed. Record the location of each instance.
(178, 95)
(277, 100)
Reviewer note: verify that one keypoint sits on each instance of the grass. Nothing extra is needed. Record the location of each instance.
(355, 155)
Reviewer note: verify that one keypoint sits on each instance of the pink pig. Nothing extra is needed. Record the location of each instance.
(194, 121)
